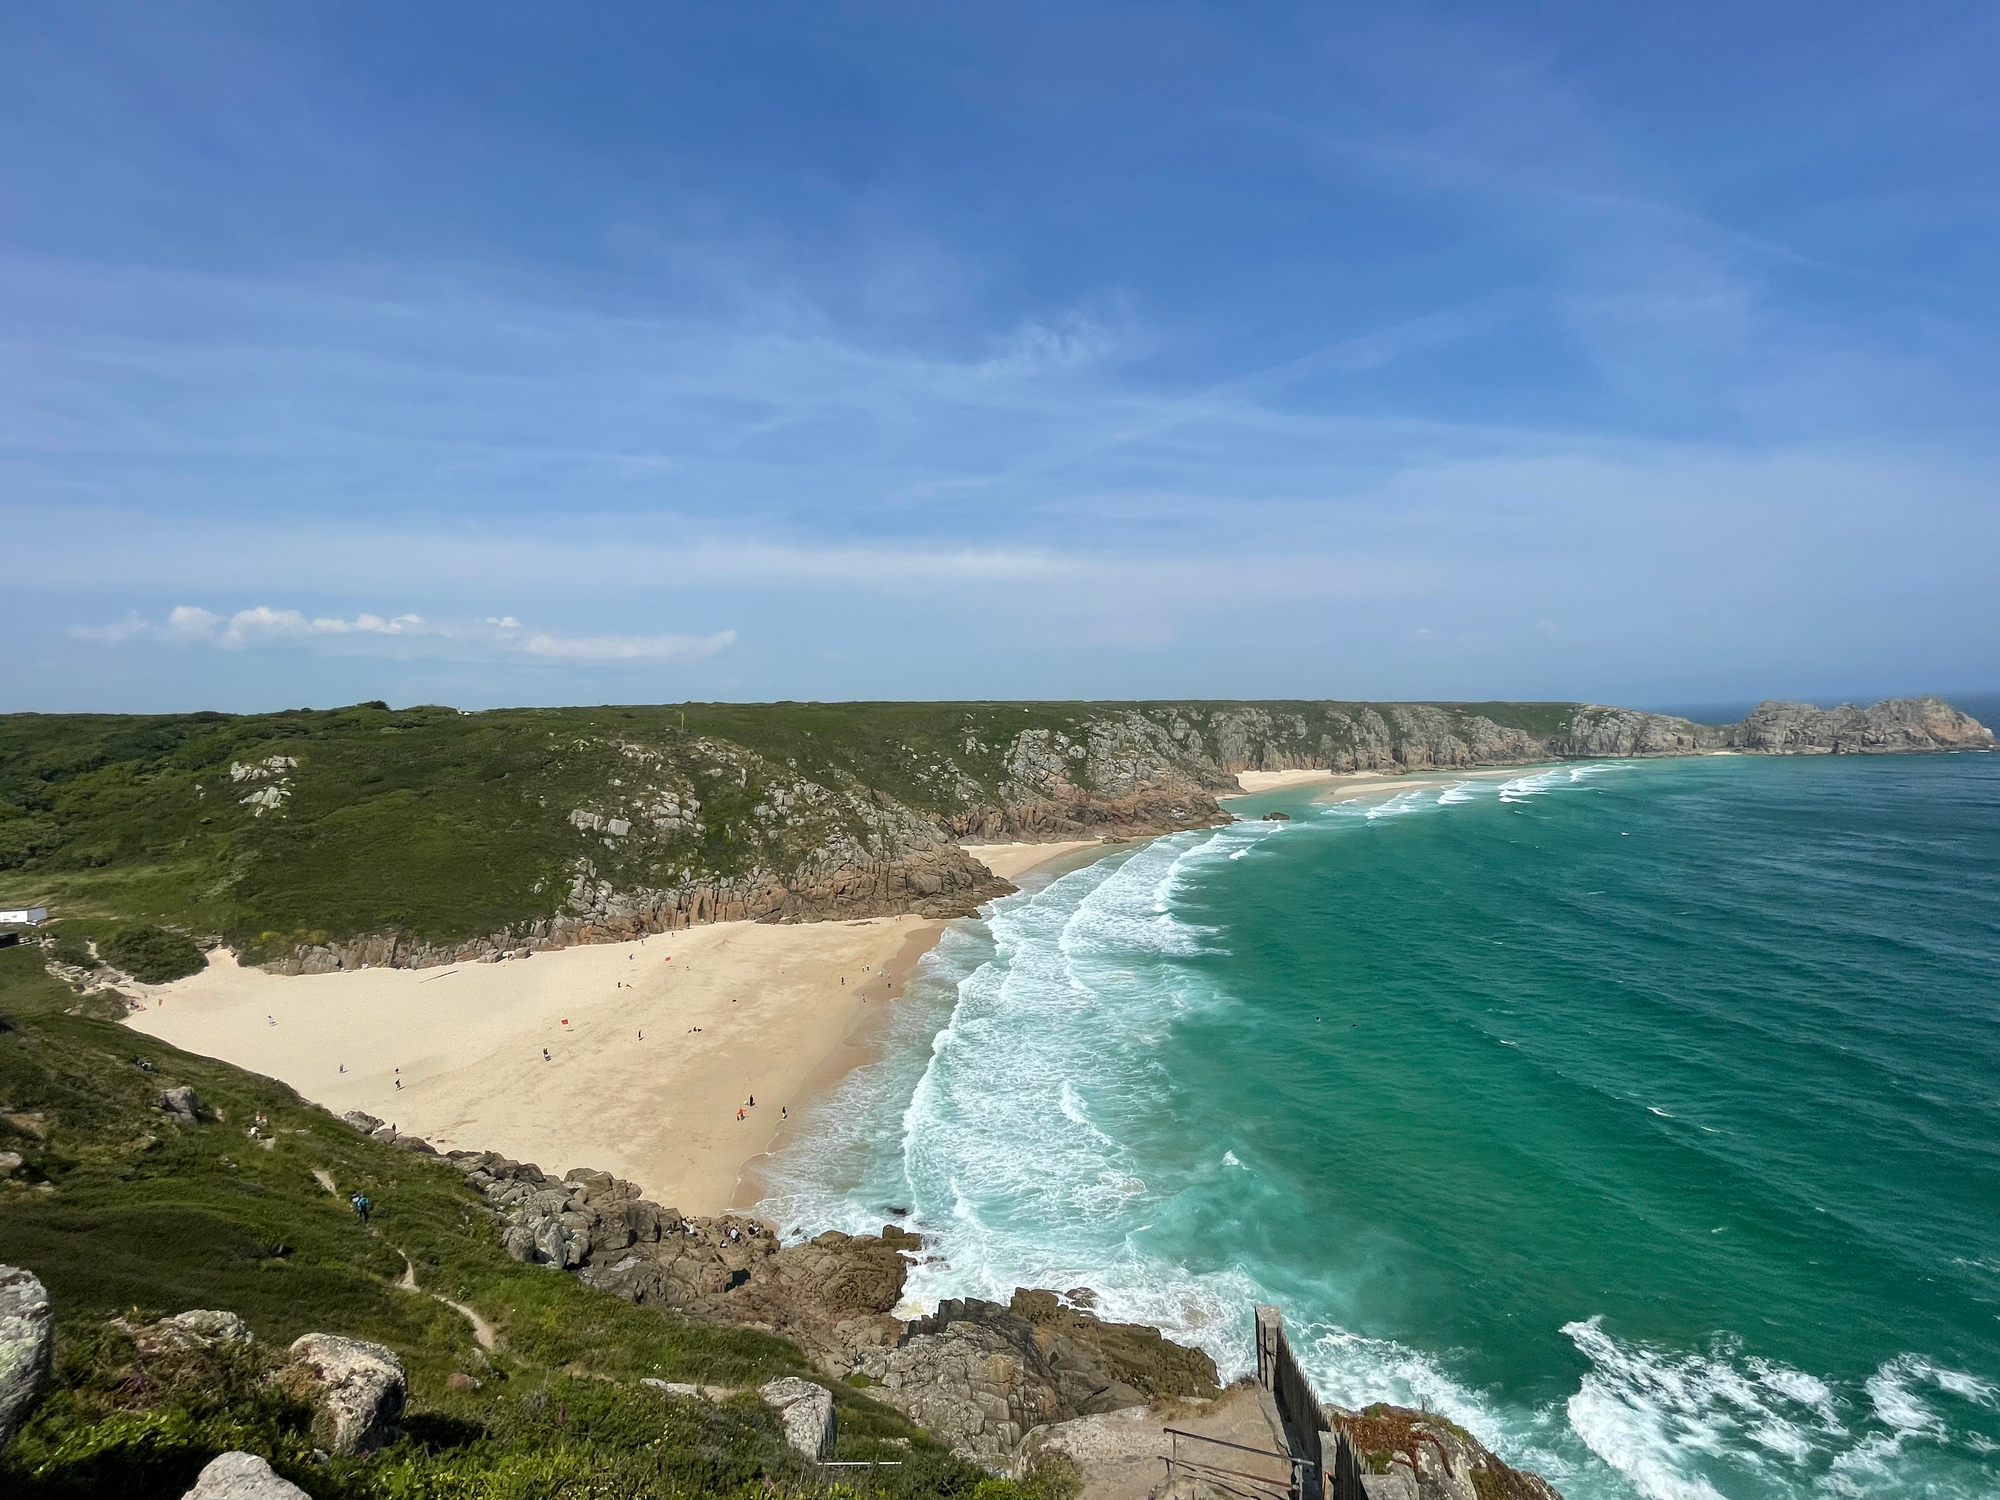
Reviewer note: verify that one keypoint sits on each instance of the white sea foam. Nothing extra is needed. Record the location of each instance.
(1396, 806)
(1457, 792)
(1673, 1421)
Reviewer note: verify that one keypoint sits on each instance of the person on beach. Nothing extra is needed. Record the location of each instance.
(784, 1112)
(739, 1114)
(545, 1054)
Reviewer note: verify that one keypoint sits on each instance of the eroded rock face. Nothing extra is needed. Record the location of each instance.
(242, 1476)
(806, 1410)
(1894, 726)
(1429, 1458)
(982, 1376)
(359, 1389)
(27, 1347)
(831, 1296)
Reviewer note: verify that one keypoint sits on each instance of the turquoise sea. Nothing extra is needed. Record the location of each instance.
(1642, 1117)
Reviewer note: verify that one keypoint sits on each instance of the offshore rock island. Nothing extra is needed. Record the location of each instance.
(314, 841)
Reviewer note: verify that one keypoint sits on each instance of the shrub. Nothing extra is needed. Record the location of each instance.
(153, 955)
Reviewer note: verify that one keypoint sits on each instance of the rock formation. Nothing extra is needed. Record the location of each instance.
(27, 1347)
(242, 1476)
(1895, 726)
(982, 1376)
(1417, 1455)
(358, 1387)
(805, 1411)
(978, 1374)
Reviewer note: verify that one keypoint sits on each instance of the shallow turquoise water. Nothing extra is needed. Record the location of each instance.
(1643, 1117)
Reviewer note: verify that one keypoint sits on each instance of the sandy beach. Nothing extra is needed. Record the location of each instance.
(1253, 782)
(1345, 785)
(1010, 860)
(652, 1046)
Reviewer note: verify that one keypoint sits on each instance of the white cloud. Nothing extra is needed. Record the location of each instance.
(263, 626)
(630, 647)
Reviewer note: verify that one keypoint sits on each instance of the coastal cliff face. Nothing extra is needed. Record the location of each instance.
(1896, 726)
(314, 841)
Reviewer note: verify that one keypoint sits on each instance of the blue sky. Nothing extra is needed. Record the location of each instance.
(506, 353)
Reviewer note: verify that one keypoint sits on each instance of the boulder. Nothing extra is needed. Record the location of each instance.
(242, 1476)
(1419, 1455)
(182, 1103)
(11, 1163)
(27, 1347)
(359, 1389)
(806, 1410)
(367, 1124)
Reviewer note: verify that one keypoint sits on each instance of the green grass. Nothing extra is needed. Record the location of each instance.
(125, 1213)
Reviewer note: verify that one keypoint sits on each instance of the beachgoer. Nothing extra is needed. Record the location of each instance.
(739, 1114)
(784, 1113)
(399, 1083)
(753, 1101)
(545, 1054)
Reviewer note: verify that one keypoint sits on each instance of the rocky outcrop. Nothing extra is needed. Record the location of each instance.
(183, 1104)
(242, 1476)
(358, 1388)
(940, 880)
(978, 1374)
(805, 1411)
(27, 1347)
(831, 1295)
(982, 1376)
(1417, 1455)
(1896, 726)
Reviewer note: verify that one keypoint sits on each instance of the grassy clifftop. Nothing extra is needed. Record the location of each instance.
(280, 831)
(124, 1212)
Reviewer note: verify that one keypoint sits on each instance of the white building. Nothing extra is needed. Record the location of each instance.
(24, 916)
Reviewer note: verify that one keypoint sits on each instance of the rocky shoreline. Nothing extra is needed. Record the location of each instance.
(1001, 1384)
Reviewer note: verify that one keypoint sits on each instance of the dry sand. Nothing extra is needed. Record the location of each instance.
(1271, 781)
(628, 1085)
(1010, 860)
(1344, 785)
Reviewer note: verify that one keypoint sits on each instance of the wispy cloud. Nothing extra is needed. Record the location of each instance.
(264, 628)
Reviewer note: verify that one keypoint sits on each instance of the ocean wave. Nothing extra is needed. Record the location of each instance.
(1396, 806)
(1522, 788)
(1678, 1424)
